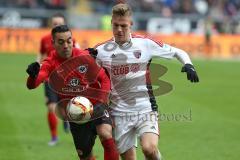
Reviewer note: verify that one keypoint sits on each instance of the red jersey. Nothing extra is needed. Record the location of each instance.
(78, 75)
(46, 45)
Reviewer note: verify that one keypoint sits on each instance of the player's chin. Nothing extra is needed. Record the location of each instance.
(67, 54)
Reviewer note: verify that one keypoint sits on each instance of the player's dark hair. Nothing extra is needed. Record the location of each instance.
(59, 29)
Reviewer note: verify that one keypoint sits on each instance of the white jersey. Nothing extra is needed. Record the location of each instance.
(127, 65)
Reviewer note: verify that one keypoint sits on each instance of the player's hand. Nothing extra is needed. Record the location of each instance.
(33, 69)
(93, 52)
(191, 73)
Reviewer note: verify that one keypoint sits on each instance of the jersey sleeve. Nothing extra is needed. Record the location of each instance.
(42, 76)
(159, 49)
(104, 80)
(97, 56)
(42, 49)
(105, 84)
(162, 50)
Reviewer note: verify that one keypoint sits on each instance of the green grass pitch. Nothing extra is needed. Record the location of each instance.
(201, 120)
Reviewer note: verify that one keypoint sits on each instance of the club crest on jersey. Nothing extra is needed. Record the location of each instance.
(137, 53)
(82, 69)
(74, 82)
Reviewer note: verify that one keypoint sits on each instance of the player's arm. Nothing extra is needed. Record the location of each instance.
(167, 51)
(42, 52)
(101, 107)
(105, 84)
(41, 57)
(188, 67)
(36, 74)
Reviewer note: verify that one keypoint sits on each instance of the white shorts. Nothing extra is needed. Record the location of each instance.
(128, 128)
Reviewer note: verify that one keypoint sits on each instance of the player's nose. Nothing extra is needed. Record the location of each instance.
(65, 45)
(119, 28)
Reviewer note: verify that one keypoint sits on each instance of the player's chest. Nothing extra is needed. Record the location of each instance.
(120, 55)
(124, 61)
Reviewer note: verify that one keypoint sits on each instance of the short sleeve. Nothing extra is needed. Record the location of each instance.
(159, 49)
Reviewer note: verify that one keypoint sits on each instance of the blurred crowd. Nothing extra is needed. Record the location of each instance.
(220, 7)
(48, 4)
(215, 7)
(220, 11)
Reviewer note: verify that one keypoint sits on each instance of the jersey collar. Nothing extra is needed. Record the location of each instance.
(125, 45)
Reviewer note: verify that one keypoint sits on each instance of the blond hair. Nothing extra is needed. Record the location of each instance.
(121, 9)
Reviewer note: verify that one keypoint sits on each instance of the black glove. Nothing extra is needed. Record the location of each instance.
(33, 69)
(93, 52)
(191, 73)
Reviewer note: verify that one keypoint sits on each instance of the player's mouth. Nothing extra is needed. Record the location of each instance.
(65, 50)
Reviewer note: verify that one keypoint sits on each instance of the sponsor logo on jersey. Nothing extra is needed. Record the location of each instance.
(137, 54)
(120, 70)
(135, 67)
(72, 90)
(125, 69)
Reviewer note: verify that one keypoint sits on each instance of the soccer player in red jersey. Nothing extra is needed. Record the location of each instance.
(84, 135)
(46, 47)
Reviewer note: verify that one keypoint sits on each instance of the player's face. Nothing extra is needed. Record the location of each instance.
(121, 27)
(57, 21)
(63, 44)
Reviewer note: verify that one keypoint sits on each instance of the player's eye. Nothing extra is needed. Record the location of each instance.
(115, 25)
(60, 41)
(69, 41)
(124, 26)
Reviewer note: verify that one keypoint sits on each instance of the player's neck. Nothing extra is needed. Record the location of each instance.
(125, 43)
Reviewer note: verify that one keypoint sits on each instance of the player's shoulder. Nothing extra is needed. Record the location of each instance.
(147, 38)
(78, 52)
(99, 45)
(138, 36)
(47, 37)
(51, 58)
(52, 55)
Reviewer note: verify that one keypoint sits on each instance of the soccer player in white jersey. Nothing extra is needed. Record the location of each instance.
(126, 58)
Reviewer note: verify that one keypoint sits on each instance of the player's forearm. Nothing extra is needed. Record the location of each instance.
(35, 82)
(40, 57)
(182, 56)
